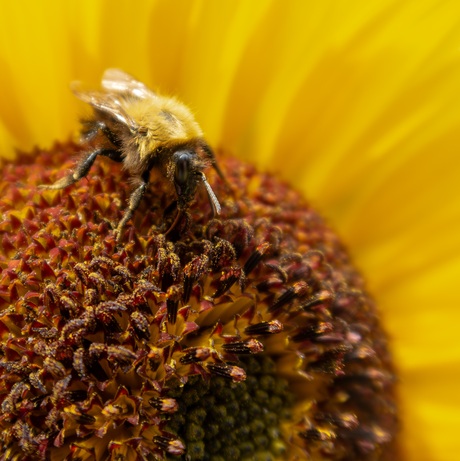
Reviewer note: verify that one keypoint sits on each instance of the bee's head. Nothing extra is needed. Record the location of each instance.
(185, 176)
(187, 173)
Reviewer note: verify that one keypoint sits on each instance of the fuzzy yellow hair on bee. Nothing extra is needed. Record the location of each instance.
(143, 130)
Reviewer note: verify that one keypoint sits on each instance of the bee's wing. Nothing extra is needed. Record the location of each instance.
(119, 82)
(105, 102)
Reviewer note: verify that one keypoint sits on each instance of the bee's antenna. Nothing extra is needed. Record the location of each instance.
(215, 205)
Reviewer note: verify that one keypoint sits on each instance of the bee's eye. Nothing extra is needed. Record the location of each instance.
(183, 167)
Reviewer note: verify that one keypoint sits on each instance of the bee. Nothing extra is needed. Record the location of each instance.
(143, 130)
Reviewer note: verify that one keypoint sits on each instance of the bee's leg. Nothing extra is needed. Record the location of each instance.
(81, 170)
(110, 135)
(133, 203)
(179, 215)
(91, 128)
(115, 155)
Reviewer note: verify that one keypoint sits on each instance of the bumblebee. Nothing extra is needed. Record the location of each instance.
(143, 130)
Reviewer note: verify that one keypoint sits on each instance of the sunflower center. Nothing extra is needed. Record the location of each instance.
(245, 337)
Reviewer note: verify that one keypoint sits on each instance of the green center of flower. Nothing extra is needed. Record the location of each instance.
(220, 420)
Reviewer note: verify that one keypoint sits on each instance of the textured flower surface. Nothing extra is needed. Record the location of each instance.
(356, 103)
(244, 337)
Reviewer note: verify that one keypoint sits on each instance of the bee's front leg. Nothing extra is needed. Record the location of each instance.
(133, 203)
(80, 171)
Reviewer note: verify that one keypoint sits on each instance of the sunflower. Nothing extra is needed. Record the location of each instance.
(355, 104)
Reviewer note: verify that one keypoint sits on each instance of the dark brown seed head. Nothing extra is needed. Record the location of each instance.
(244, 337)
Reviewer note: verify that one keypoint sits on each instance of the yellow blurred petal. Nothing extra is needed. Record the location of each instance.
(210, 44)
(365, 95)
(34, 47)
(6, 143)
(419, 315)
(124, 38)
(430, 397)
